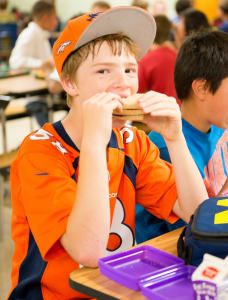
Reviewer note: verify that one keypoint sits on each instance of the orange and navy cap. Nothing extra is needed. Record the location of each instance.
(135, 22)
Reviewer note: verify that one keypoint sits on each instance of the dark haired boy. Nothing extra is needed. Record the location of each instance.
(180, 6)
(201, 81)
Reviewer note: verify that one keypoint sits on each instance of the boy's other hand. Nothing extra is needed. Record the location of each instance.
(162, 115)
(97, 117)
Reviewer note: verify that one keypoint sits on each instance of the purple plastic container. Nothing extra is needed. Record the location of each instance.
(174, 286)
(130, 267)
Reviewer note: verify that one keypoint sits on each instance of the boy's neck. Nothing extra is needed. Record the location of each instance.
(194, 115)
(73, 124)
(40, 24)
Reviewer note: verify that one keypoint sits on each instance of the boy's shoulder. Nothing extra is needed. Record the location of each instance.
(48, 142)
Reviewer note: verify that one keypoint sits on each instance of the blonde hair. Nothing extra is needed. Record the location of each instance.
(116, 42)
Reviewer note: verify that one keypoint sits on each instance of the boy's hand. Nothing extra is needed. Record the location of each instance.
(162, 115)
(97, 117)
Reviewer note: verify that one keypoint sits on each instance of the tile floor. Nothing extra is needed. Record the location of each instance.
(16, 132)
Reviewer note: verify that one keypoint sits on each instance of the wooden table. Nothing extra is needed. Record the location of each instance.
(22, 86)
(92, 283)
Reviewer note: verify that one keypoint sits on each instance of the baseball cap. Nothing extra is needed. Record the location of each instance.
(135, 22)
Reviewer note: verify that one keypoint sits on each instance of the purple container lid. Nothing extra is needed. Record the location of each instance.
(130, 267)
(173, 286)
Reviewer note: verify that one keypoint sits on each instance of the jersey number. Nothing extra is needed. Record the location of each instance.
(120, 233)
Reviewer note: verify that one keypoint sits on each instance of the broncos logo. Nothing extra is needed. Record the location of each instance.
(93, 16)
(63, 46)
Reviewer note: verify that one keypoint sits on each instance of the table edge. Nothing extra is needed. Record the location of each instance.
(89, 291)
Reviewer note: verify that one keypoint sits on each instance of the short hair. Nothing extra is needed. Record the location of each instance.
(3, 4)
(102, 4)
(203, 55)
(194, 19)
(223, 5)
(42, 8)
(182, 5)
(163, 29)
(140, 3)
(115, 43)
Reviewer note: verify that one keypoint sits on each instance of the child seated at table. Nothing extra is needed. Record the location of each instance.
(75, 182)
(202, 86)
(33, 50)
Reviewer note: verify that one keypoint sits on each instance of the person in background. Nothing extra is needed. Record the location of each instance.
(141, 3)
(52, 77)
(202, 90)
(180, 6)
(156, 68)
(190, 20)
(159, 8)
(5, 15)
(223, 14)
(99, 6)
(33, 50)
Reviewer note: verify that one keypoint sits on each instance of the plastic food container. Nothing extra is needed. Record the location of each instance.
(131, 267)
(177, 285)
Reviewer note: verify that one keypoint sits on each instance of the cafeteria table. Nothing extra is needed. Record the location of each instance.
(92, 283)
(23, 86)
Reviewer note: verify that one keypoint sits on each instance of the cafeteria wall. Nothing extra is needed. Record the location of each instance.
(67, 8)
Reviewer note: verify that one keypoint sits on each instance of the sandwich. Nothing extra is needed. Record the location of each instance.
(131, 110)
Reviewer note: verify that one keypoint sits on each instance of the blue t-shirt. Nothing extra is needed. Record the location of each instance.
(210, 153)
(224, 26)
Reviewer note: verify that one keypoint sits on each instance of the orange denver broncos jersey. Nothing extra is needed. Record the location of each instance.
(44, 184)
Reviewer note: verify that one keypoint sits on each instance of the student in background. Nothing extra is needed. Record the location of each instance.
(99, 6)
(156, 68)
(159, 8)
(180, 6)
(223, 14)
(33, 49)
(140, 3)
(190, 20)
(201, 81)
(5, 15)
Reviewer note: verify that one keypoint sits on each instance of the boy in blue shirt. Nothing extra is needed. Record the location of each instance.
(201, 82)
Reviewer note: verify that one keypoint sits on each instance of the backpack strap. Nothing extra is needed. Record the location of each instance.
(184, 252)
(180, 245)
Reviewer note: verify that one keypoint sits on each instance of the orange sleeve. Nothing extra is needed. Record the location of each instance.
(155, 183)
(48, 193)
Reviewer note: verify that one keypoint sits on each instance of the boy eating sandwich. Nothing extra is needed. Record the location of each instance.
(75, 183)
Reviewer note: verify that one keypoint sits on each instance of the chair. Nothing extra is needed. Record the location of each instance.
(8, 36)
(6, 160)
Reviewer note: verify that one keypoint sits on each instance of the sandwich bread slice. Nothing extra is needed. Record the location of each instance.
(131, 110)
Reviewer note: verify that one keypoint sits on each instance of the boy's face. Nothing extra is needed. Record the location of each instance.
(51, 21)
(108, 73)
(217, 106)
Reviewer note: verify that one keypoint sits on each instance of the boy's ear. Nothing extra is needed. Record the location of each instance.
(199, 88)
(69, 87)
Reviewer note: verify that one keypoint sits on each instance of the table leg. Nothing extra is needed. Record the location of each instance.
(50, 108)
(1, 206)
(3, 121)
